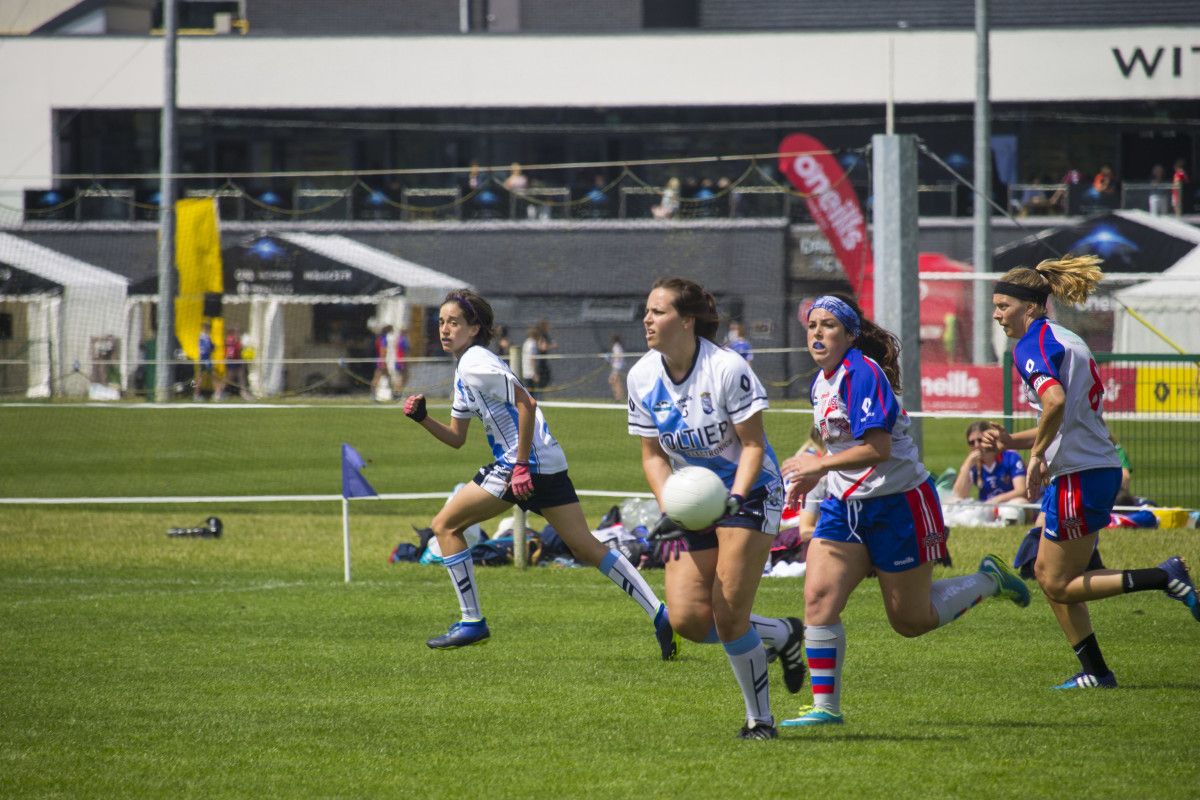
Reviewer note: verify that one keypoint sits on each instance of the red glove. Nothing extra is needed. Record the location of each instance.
(521, 481)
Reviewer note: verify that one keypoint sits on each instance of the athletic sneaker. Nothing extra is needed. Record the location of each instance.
(668, 639)
(791, 656)
(1010, 583)
(461, 634)
(758, 730)
(1085, 680)
(1179, 584)
(814, 715)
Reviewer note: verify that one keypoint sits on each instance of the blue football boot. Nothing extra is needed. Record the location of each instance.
(1085, 680)
(668, 639)
(461, 634)
(1180, 585)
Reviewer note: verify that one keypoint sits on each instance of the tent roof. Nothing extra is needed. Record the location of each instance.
(1128, 241)
(1177, 286)
(421, 284)
(52, 266)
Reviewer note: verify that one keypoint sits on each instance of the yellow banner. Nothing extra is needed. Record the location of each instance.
(198, 261)
(1169, 388)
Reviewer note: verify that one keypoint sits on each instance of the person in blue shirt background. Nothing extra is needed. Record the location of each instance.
(999, 475)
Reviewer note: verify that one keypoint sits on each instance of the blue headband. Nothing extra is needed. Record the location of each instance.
(841, 310)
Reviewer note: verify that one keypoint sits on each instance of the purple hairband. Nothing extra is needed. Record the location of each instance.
(840, 310)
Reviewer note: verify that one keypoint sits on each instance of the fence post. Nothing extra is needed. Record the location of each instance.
(520, 551)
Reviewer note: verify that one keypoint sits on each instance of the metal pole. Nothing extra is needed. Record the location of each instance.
(890, 111)
(464, 16)
(980, 318)
(520, 550)
(164, 351)
(897, 290)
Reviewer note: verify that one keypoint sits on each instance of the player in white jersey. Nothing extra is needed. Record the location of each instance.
(693, 403)
(1072, 457)
(528, 469)
(882, 511)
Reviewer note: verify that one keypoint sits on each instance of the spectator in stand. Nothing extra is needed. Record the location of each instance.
(1158, 175)
(381, 363)
(517, 181)
(1034, 199)
(1061, 198)
(1104, 187)
(1180, 201)
(597, 197)
(668, 206)
(502, 343)
(545, 343)
(399, 375)
(738, 343)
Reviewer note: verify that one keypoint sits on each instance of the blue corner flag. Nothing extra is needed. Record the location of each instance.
(353, 482)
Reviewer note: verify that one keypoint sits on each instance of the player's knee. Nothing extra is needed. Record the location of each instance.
(1053, 583)
(692, 624)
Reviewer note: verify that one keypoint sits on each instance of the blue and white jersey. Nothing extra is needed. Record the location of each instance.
(1048, 355)
(693, 420)
(997, 477)
(485, 387)
(847, 403)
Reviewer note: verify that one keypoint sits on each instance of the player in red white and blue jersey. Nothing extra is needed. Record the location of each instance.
(528, 469)
(882, 511)
(694, 403)
(1072, 457)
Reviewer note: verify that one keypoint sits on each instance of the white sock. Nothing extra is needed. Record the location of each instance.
(618, 569)
(825, 648)
(749, 662)
(952, 597)
(772, 630)
(462, 575)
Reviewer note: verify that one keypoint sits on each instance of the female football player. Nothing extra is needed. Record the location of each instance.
(529, 470)
(692, 402)
(882, 511)
(1072, 456)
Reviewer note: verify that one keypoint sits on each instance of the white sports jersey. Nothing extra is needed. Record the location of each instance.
(846, 404)
(1049, 354)
(693, 420)
(485, 387)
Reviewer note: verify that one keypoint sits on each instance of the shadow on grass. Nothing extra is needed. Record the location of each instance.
(860, 737)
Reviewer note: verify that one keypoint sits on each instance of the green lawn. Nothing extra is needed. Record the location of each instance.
(137, 665)
(141, 666)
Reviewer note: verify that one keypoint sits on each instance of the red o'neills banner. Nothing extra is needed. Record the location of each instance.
(834, 207)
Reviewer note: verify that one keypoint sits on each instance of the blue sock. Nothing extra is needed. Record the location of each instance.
(749, 662)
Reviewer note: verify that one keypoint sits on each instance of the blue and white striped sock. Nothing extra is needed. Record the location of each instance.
(749, 662)
(462, 575)
(618, 569)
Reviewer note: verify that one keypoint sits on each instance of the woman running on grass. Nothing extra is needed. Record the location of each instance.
(529, 470)
(882, 512)
(1072, 456)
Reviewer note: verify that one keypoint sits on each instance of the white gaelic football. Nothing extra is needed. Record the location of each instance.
(694, 497)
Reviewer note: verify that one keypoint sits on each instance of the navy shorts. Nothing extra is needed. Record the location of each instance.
(1079, 504)
(549, 490)
(760, 512)
(900, 531)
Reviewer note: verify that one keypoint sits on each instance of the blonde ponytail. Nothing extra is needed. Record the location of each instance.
(1071, 278)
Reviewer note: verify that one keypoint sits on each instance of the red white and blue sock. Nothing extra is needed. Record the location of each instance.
(462, 575)
(618, 569)
(749, 662)
(825, 648)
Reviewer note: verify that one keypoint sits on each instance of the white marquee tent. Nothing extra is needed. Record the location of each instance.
(68, 325)
(1170, 302)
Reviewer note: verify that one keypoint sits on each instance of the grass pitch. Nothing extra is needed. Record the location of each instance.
(137, 665)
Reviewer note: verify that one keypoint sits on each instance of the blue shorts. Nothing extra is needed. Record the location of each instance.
(901, 531)
(550, 490)
(760, 512)
(1079, 504)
